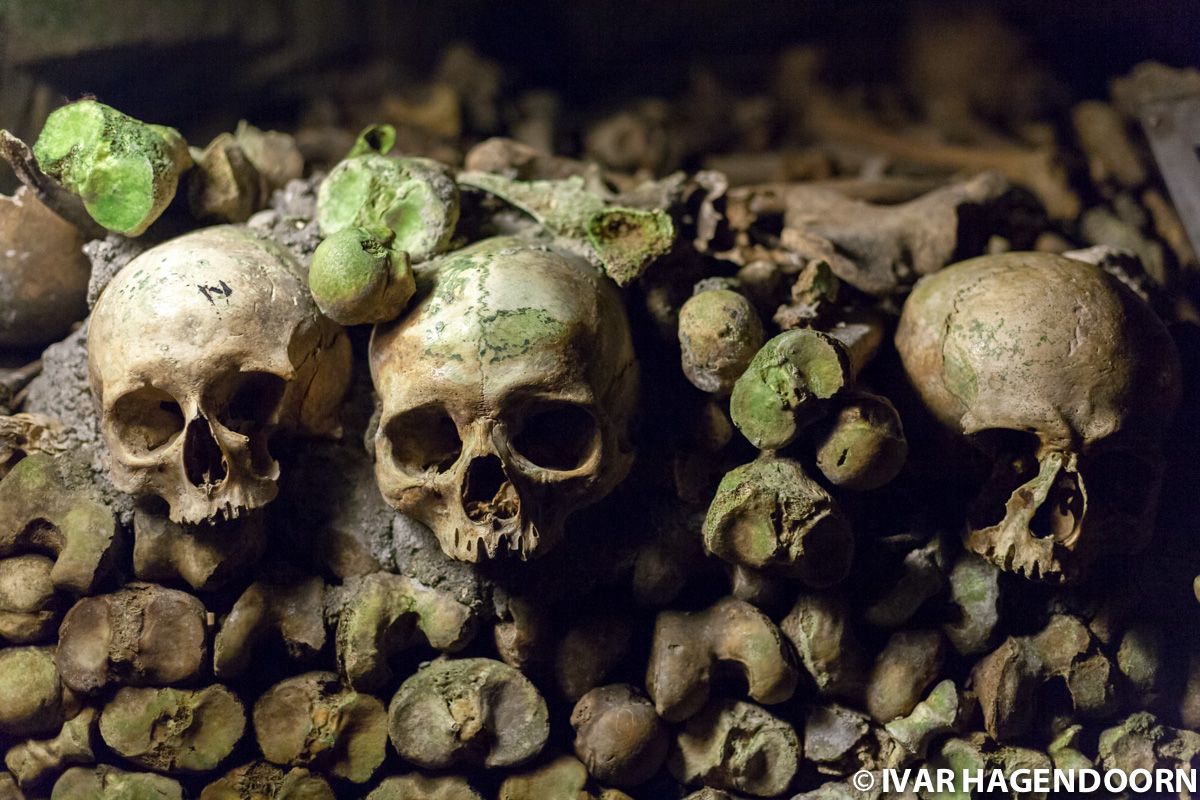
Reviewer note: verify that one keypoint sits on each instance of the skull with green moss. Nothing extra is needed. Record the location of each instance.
(507, 394)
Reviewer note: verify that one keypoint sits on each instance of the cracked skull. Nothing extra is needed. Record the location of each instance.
(506, 394)
(1067, 380)
(198, 351)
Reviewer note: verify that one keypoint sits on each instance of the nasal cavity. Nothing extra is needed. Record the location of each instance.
(203, 460)
(487, 492)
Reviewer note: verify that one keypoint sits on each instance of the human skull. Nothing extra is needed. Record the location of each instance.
(200, 349)
(1068, 380)
(506, 398)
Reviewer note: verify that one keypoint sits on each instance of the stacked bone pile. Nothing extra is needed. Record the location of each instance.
(410, 463)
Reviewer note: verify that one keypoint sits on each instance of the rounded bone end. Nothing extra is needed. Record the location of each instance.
(311, 719)
(262, 779)
(719, 333)
(468, 712)
(618, 735)
(415, 786)
(103, 782)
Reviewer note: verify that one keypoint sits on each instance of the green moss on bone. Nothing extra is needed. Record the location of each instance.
(624, 240)
(769, 515)
(125, 171)
(357, 277)
(628, 240)
(413, 198)
(784, 388)
(378, 139)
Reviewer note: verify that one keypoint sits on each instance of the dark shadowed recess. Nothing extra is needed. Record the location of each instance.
(264, 59)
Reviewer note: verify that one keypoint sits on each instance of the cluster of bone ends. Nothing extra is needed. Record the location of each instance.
(493, 430)
(194, 433)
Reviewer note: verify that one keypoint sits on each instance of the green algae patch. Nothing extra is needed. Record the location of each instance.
(413, 198)
(125, 171)
(358, 277)
(512, 332)
(786, 385)
(628, 240)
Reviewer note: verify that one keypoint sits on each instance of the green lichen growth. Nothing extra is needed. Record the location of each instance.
(30, 692)
(784, 388)
(769, 515)
(934, 716)
(413, 198)
(357, 277)
(109, 783)
(125, 171)
(379, 139)
(382, 616)
(512, 332)
(628, 240)
(625, 241)
(175, 730)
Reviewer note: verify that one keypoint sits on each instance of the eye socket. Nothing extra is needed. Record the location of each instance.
(147, 419)
(1014, 462)
(557, 436)
(253, 401)
(423, 440)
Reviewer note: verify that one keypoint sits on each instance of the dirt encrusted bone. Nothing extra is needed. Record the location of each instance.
(292, 608)
(266, 781)
(33, 700)
(312, 720)
(468, 712)
(104, 782)
(821, 629)
(141, 635)
(881, 249)
(48, 504)
(415, 786)
(30, 608)
(206, 557)
(35, 762)
(737, 746)
(177, 731)
(770, 515)
(379, 615)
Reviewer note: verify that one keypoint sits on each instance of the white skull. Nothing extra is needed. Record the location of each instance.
(198, 351)
(506, 397)
(1068, 380)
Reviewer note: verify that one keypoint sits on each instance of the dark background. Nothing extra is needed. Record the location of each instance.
(196, 63)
